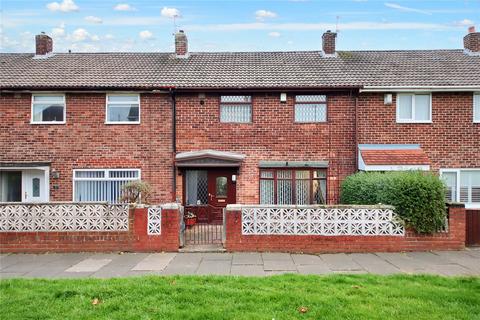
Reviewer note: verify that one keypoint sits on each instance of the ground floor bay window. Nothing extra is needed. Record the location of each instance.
(293, 186)
(101, 185)
(463, 185)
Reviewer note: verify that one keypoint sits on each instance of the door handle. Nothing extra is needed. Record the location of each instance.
(26, 195)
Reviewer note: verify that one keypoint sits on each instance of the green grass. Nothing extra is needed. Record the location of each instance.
(278, 297)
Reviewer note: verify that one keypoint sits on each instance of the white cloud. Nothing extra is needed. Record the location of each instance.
(465, 23)
(109, 36)
(170, 12)
(58, 32)
(405, 9)
(64, 6)
(146, 35)
(123, 7)
(264, 14)
(274, 34)
(80, 35)
(93, 19)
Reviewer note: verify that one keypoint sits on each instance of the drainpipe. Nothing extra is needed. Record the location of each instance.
(174, 144)
(356, 132)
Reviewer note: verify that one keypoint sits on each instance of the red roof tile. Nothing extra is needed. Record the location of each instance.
(395, 157)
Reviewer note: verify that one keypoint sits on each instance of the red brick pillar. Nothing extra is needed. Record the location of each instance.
(233, 228)
(457, 224)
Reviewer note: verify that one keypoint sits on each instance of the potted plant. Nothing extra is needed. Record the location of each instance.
(190, 219)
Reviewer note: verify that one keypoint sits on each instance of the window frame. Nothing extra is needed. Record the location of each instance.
(476, 116)
(313, 103)
(125, 103)
(294, 187)
(220, 104)
(412, 120)
(32, 121)
(105, 178)
(457, 171)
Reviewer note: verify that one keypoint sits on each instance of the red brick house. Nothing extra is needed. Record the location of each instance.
(240, 127)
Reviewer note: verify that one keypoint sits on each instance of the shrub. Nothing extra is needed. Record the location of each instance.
(418, 197)
(136, 192)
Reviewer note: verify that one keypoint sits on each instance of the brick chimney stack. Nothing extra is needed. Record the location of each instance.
(43, 44)
(181, 44)
(328, 43)
(471, 42)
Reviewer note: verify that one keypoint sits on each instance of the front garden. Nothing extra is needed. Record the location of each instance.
(277, 297)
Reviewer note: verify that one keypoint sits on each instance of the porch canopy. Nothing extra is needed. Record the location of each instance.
(393, 157)
(209, 158)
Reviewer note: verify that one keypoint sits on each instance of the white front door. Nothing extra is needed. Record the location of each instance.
(34, 186)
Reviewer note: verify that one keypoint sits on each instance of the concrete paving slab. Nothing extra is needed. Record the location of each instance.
(266, 256)
(25, 261)
(462, 258)
(247, 270)
(307, 259)
(121, 265)
(9, 275)
(452, 270)
(217, 256)
(313, 269)
(247, 258)
(188, 258)
(67, 275)
(180, 269)
(402, 261)
(155, 262)
(89, 265)
(276, 273)
(340, 262)
(374, 264)
(279, 265)
(473, 251)
(428, 257)
(218, 267)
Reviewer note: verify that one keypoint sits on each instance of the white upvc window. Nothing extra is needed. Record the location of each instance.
(48, 109)
(101, 185)
(236, 109)
(123, 109)
(311, 108)
(463, 185)
(414, 108)
(476, 107)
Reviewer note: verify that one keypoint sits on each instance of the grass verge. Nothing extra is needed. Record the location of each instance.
(214, 297)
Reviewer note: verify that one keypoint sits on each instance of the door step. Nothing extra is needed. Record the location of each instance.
(203, 248)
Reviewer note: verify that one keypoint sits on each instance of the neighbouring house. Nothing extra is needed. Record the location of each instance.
(214, 128)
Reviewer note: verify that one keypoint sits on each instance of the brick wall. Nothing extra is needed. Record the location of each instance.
(272, 135)
(85, 141)
(135, 239)
(452, 140)
(454, 239)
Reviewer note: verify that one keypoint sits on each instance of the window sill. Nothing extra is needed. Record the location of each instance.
(311, 122)
(414, 122)
(48, 122)
(472, 205)
(123, 122)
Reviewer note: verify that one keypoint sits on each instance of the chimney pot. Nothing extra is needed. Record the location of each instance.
(43, 44)
(328, 42)
(471, 42)
(181, 44)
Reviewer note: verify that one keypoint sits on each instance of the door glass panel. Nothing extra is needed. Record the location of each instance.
(196, 187)
(319, 191)
(221, 187)
(302, 187)
(36, 187)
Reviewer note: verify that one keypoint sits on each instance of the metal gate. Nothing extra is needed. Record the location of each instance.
(473, 228)
(204, 231)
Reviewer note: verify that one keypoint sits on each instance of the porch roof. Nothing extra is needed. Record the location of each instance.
(392, 157)
(209, 158)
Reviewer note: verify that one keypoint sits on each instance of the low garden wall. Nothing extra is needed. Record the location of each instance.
(315, 229)
(76, 227)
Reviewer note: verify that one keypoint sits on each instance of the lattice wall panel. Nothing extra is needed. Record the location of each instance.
(63, 217)
(321, 221)
(154, 225)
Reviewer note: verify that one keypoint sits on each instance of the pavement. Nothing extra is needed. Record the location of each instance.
(108, 265)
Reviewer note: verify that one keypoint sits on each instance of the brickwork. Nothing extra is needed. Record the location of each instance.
(472, 42)
(454, 239)
(85, 141)
(43, 44)
(450, 141)
(272, 135)
(135, 239)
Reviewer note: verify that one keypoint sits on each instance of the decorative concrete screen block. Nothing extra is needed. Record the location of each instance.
(154, 224)
(325, 221)
(48, 217)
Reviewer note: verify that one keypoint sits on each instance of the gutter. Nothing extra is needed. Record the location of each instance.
(420, 89)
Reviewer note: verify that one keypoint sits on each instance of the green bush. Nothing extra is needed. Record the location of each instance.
(418, 197)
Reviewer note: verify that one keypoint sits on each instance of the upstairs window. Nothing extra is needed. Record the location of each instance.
(101, 185)
(293, 186)
(311, 108)
(48, 108)
(123, 108)
(476, 107)
(236, 109)
(414, 108)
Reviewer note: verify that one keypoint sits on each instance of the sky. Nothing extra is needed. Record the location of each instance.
(288, 25)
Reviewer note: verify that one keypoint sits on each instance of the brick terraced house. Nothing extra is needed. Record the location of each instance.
(210, 129)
